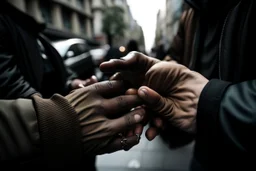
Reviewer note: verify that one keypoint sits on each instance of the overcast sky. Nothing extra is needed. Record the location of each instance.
(145, 12)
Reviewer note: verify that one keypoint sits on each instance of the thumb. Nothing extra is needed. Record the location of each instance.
(153, 100)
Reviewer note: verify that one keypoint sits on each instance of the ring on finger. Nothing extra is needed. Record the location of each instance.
(124, 144)
(138, 137)
(121, 135)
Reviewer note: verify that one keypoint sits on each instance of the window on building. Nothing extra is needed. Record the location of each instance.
(90, 3)
(46, 11)
(119, 2)
(77, 49)
(82, 21)
(80, 3)
(88, 6)
(66, 16)
(27, 2)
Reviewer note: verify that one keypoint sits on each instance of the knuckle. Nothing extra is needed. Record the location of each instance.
(116, 61)
(128, 120)
(121, 101)
(109, 128)
(97, 86)
(140, 111)
(110, 84)
(99, 107)
(135, 53)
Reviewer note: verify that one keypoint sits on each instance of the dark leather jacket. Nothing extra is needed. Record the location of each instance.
(226, 118)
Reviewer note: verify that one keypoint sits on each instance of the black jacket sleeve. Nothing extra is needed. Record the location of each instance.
(12, 83)
(226, 123)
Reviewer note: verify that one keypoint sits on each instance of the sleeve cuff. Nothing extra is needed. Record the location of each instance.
(207, 117)
(59, 130)
(209, 101)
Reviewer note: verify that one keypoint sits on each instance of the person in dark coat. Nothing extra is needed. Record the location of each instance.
(28, 62)
(132, 45)
(211, 97)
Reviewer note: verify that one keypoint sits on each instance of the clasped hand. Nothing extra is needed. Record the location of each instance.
(171, 91)
(104, 113)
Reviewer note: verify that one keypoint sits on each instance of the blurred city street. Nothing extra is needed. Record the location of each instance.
(147, 156)
(79, 78)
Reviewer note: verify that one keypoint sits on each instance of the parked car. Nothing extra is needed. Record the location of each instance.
(81, 55)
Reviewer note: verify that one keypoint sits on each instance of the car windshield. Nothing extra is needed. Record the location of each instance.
(63, 46)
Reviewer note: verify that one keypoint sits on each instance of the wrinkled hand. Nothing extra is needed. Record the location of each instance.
(104, 113)
(77, 83)
(169, 89)
(133, 68)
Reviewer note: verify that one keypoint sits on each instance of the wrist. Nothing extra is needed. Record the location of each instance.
(69, 85)
(58, 123)
(208, 105)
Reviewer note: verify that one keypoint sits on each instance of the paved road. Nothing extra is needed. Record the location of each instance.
(147, 156)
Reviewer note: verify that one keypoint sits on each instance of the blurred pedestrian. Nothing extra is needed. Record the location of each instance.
(132, 45)
(160, 51)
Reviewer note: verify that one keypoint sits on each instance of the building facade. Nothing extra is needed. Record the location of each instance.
(173, 13)
(98, 7)
(132, 31)
(168, 23)
(63, 17)
(79, 18)
(161, 32)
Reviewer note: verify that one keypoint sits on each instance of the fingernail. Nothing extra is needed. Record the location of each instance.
(137, 117)
(81, 85)
(143, 92)
(128, 56)
(115, 75)
(94, 77)
(112, 60)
